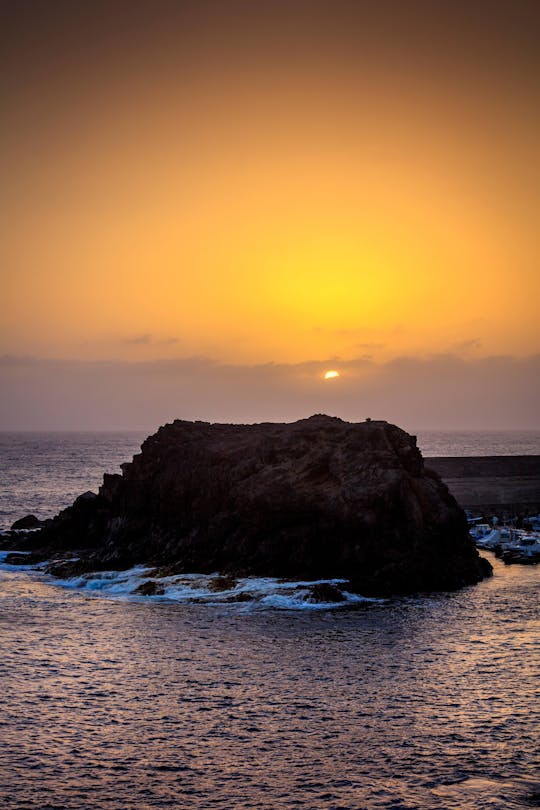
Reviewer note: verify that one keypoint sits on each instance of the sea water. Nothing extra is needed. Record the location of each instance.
(114, 701)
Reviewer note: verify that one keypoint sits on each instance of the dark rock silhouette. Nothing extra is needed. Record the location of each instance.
(28, 522)
(325, 592)
(318, 498)
(218, 584)
(149, 588)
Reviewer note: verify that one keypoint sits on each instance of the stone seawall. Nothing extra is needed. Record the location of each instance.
(494, 483)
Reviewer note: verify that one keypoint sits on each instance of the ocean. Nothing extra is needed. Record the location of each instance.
(113, 701)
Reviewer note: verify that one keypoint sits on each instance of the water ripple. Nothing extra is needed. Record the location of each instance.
(419, 703)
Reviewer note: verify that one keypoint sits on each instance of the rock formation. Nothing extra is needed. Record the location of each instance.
(318, 498)
(28, 522)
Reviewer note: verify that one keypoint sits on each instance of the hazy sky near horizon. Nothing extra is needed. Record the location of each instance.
(207, 204)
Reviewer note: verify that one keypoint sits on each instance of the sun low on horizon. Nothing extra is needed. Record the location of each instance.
(273, 186)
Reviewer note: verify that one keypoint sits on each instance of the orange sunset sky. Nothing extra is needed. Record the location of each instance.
(206, 205)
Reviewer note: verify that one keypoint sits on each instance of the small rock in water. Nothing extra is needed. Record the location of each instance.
(222, 584)
(325, 592)
(149, 588)
(28, 522)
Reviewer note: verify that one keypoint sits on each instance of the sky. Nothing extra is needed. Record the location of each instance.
(206, 205)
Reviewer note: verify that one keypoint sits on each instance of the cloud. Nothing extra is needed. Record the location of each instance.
(148, 339)
(465, 346)
(139, 340)
(438, 392)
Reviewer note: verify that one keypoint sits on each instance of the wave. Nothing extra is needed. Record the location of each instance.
(8, 567)
(141, 583)
(244, 593)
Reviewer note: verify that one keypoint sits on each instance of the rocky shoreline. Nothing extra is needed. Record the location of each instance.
(318, 498)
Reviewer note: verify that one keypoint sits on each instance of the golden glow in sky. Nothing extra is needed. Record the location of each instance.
(270, 183)
(331, 375)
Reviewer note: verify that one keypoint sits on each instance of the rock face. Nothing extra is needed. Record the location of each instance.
(319, 498)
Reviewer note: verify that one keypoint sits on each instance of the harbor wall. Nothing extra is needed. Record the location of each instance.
(494, 484)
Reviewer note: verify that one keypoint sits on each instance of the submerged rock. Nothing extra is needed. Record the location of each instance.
(325, 592)
(218, 584)
(149, 588)
(316, 499)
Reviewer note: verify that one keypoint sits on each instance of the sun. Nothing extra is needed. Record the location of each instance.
(331, 375)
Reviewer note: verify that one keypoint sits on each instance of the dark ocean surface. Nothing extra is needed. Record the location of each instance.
(427, 703)
(115, 702)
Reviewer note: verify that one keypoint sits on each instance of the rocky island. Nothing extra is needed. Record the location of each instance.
(317, 498)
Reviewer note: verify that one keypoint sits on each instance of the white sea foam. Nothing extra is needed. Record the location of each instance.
(247, 593)
(301, 600)
(114, 583)
(244, 594)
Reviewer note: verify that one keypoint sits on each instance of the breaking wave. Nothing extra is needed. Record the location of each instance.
(141, 583)
(4, 566)
(246, 593)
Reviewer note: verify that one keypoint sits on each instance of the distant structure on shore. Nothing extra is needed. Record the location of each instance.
(494, 484)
